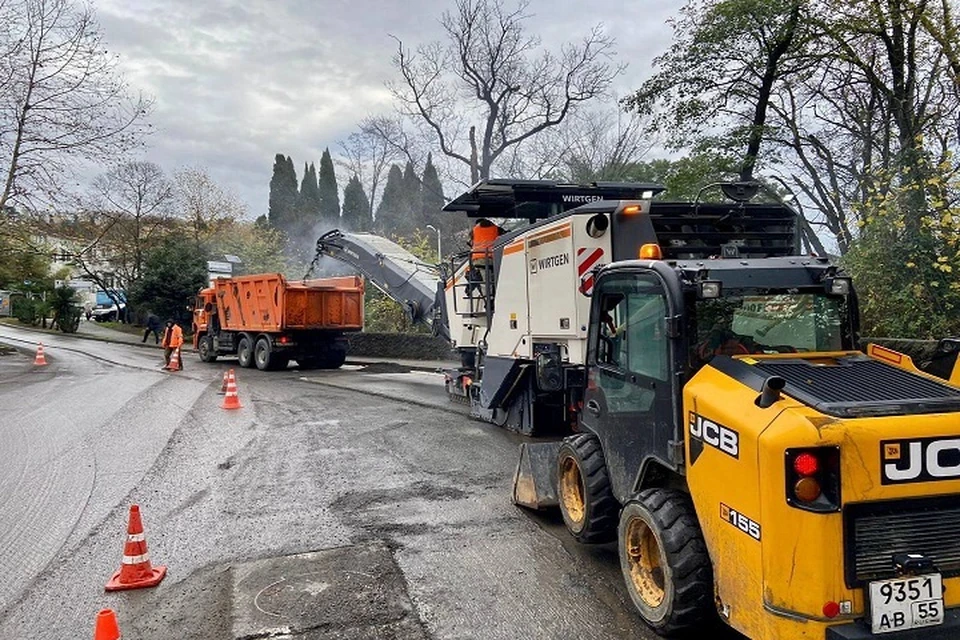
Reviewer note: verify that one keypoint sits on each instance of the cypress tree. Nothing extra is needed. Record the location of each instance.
(309, 202)
(329, 193)
(431, 193)
(390, 209)
(356, 206)
(412, 212)
(283, 193)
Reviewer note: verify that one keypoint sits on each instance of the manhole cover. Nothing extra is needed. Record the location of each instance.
(346, 592)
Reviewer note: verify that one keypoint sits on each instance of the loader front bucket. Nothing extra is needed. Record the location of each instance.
(535, 482)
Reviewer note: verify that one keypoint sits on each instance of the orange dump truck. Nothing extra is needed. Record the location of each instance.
(267, 321)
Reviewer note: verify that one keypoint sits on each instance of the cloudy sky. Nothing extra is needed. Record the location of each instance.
(237, 81)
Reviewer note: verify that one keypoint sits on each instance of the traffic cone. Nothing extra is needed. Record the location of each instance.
(231, 400)
(174, 361)
(39, 360)
(223, 387)
(135, 569)
(106, 627)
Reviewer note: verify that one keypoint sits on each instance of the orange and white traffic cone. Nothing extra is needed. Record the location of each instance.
(39, 360)
(106, 627)
(231, 400)
(135, 569)
(174, 364)
(223, 387)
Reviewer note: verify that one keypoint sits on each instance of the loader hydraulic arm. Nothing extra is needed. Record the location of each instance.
(414, 284)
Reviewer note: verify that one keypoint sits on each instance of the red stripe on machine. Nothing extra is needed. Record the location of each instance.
(586, 258)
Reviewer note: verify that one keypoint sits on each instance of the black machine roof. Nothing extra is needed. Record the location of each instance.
(684, 230)
(736, 273)
(538, 199)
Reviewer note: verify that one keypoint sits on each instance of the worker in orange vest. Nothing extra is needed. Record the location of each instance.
(485, 233)
(172, 340)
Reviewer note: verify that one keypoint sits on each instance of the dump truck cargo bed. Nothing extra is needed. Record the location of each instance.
(269, 303)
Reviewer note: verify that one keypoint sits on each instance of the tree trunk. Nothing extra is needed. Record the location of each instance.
(474, 163)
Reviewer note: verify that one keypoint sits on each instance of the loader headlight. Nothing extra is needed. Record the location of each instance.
(838, 286)
(709, 289)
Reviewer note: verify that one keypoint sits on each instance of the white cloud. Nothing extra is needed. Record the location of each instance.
(237, 81)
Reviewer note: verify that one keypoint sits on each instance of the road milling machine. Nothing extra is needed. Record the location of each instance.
(714, 414)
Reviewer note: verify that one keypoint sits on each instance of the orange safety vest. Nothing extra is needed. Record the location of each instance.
(173, 337)
(483, 238)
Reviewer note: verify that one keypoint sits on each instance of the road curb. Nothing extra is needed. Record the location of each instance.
(361, 362)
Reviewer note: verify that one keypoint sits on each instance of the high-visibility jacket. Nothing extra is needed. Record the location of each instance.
(173, 337)
(484, 235)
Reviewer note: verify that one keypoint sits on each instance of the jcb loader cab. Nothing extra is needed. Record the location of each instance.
(751, 462)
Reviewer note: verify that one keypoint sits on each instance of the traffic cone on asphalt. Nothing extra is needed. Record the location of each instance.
(135, 568)
(39, 360)
(231, 400)
(223, 387)
(107, 627)
(174, 361)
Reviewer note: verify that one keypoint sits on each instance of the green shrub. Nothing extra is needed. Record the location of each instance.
(25, 310)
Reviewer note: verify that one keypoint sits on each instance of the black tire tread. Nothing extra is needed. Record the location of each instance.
(687, 556)
(602, 509)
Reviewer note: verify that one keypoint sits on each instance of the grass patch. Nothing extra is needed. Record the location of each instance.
(132, 329)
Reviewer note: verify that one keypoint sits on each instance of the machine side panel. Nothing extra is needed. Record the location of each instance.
(510, 326)
(551, 281)
(461, 335)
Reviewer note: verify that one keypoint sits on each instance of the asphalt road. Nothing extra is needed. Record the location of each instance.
(405, 499)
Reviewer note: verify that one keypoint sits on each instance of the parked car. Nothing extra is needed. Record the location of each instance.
(107, 314)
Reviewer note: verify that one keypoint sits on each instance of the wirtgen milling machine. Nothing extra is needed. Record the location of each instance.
(747, 457)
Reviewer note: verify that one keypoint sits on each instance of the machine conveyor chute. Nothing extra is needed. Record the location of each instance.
(393, 270)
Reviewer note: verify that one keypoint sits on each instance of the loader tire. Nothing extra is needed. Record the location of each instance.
(245, 352)
(664, 561)
(583, 488)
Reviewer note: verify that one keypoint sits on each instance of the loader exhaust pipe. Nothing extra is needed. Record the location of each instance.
(770, 391)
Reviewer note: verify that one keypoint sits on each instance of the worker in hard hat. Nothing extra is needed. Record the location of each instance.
(172, 341)
(484, 234)
(482, 238)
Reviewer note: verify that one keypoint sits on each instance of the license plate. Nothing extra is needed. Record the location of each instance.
(906, 603)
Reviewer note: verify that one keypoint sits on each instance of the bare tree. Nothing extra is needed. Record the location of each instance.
(879, 113)
(491, 87)
(713, 87)
(369, 152)
(205, 205)
(591, 144)
(62, 100)
(130, 212)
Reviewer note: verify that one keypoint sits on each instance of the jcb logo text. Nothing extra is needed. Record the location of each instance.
(715, 435)
(920, 460)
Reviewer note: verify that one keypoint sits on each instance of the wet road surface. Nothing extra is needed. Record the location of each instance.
(359, 463)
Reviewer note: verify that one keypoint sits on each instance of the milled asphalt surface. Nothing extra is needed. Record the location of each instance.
(366, 467)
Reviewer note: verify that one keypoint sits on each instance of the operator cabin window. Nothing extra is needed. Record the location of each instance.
(633, 330)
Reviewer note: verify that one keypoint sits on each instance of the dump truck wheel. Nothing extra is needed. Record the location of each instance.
(307, 364)
(205, 349)
(583, 487)
(263, 354)
(665, 562)
(245, 352)
(334, 359)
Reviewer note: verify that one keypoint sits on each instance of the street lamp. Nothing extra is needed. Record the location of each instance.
(437, 231)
